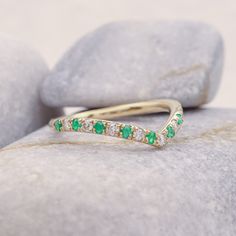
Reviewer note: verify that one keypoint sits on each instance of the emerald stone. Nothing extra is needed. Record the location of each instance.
(58, 125)
(126, 131)
(99, 127)
(76, 124)
(180, 120)
(170, 131)
(151, 137)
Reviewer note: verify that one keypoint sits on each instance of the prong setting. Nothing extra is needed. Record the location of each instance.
(121, 130)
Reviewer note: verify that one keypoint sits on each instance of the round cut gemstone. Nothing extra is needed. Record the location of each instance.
(76, 124)
(88, 126)
(151, 137)
(113, 129)
(99, 127)
(170, 131)
(139, 134)
(161, 140)
(66, 124)
(126, 131)
(174, 124)
(180, 119)
(58, 125)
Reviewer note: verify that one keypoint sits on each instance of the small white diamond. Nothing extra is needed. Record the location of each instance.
(161, 140)
(88, 125)
(66, 124)
(174, 124)
(113, 129)
(139, 134)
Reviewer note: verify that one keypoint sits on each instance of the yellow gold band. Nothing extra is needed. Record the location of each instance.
(96, 121)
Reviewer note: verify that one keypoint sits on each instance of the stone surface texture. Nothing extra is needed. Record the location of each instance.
(22, 70)
(134, 61)
(84, 184)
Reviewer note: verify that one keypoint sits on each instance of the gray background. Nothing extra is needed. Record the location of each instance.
(89, 185)
(51, 26)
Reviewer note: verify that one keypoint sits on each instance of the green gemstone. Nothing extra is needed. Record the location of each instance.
(171, 131)
(151, 137)
(76, 124)
(126, 131)
(99, 127)
(180, 120)
(58, 125)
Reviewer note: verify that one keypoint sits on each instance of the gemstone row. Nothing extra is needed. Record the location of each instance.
(115, 129)
(174, 125)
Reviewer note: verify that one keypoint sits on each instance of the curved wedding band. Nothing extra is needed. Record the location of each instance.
(95, 121)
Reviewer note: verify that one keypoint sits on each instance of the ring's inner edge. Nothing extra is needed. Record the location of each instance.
(126, 110)
(139, 108)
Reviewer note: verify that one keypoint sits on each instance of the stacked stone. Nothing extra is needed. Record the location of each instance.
(56, 183)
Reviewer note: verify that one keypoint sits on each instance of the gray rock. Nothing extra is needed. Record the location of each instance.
(21, 73)
(135, 61)
(83, 184)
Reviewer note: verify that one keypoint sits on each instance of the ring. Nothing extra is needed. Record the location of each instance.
(96, 122)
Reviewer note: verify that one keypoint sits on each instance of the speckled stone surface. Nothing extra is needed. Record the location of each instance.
(134, 61)
(22, 70)
(83, 184)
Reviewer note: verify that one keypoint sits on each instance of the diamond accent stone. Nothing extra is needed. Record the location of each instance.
(88, 125)
(66, 124)
(139, 134)
(161, 140)
(113, 129)
(174, 124)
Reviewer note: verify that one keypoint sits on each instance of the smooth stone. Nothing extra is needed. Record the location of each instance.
(22, 71)
(133, 61)
(82, 184)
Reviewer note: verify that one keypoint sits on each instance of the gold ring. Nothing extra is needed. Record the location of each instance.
(96, 122)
